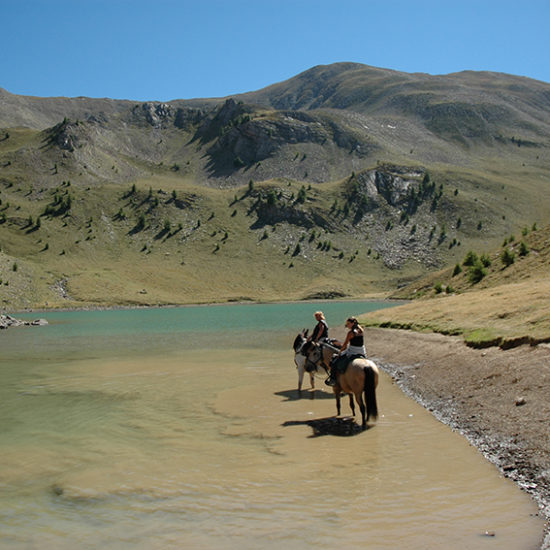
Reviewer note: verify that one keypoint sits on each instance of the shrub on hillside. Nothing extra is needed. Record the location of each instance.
(476, 272)
(523, 248)
(507, 257)
(485, 260)
(470, 259)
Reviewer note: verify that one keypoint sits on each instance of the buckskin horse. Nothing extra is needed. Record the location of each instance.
(360, 377)
(303, 366)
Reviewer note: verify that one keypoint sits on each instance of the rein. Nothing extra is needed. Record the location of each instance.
(329, 346)
(321, 359)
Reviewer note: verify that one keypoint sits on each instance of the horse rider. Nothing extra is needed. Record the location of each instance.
(320, 332)
(352, 348)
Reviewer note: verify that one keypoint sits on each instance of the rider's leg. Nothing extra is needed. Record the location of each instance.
(331, 380)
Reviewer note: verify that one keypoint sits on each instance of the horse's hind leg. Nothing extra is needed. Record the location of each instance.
(312, 380)
(361, 403)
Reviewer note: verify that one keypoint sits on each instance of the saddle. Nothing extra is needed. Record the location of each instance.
(340, 363)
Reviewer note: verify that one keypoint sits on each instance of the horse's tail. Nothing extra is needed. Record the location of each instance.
(370, 393)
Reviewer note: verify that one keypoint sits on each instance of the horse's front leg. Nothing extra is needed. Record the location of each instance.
(338, 404)
(300, 362)
(351, 404)
(300, 378)
(312, 380)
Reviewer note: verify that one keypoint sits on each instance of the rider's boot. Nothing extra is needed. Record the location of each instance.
(331, 380)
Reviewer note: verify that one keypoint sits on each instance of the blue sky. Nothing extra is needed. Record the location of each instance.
(168, 49)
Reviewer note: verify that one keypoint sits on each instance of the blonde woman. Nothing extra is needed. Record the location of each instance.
(320, 332)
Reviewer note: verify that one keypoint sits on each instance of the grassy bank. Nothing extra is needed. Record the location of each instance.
(501, 297)
(505, 315)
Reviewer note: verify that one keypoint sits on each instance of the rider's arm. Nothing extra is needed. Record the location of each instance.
(346, 342)
(316, 332)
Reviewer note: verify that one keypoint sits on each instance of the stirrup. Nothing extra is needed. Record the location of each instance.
(330, 381)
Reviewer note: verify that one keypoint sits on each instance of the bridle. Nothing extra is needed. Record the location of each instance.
(316, 355)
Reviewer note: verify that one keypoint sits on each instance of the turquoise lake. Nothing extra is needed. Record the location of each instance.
(182, 428)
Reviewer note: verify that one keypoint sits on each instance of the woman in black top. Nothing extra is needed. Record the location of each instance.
(354, 343)
(353, 346)
(320, 332)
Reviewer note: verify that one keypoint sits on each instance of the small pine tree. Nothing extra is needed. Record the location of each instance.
(507, 257)
(470, 259)
(271, 197)
(476, 272)
(485, 260)
(523, 248)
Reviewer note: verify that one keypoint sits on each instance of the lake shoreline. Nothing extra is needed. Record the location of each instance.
(497, 399)
(119, 307)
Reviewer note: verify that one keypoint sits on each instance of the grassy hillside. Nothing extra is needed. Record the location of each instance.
(166, 243)
(495, 297)
(344, 181)
(161, 240)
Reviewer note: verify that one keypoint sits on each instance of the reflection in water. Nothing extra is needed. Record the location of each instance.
(184, 448)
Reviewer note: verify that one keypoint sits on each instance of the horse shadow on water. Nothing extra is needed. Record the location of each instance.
(335, 425)
(342, 427)
(295, 395)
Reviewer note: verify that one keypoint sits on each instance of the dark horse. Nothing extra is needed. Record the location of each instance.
(360, 377)
(300, 361)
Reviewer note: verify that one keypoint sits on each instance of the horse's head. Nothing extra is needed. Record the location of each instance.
(312, 352)
(299, 341)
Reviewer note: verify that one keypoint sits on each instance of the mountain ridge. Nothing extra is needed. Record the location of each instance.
(414, 166)
(333, 71)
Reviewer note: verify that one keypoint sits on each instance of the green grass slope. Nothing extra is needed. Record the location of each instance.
(161, 240)
(495, 297)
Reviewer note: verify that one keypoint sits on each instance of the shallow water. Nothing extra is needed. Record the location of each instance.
(182, 428)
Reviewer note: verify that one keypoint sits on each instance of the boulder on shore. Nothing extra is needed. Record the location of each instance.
(7, 321)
